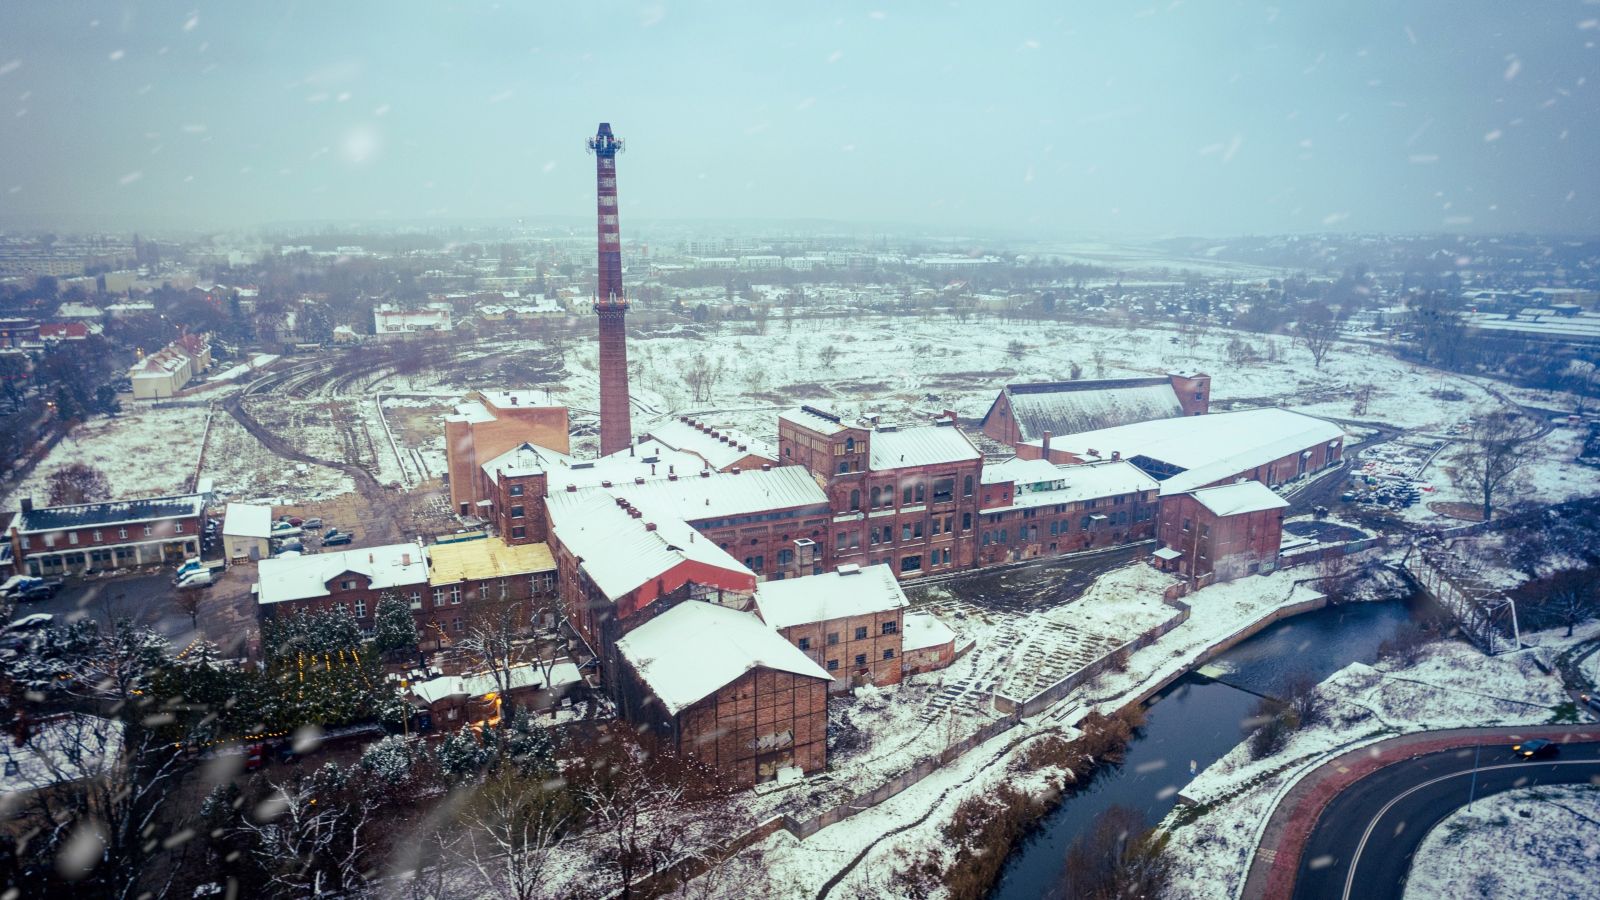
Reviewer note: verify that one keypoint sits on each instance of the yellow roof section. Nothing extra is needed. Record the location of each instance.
(488, 558)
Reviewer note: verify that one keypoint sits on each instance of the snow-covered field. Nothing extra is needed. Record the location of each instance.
(1452, 686)
(143, 452)
(1533, 842)
(241, 468)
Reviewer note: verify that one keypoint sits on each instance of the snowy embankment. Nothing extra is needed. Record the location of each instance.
(1452, 685)
(1533, 842)
(877, 841)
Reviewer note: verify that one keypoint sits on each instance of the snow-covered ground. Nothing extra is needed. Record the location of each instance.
(904, 825)
(144, 452)
(241, 468)
(1533, 842)
(1451, 686)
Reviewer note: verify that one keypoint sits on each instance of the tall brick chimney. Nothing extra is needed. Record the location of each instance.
(616, 431)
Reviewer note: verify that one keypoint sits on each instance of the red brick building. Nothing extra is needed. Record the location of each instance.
(88, 537)
(444, 584)
(902, 496)
(720, 685)
(1033, 508)
(488, 425)
(1027, 412)
(617, 569)
(1221, 533)
(849, 621)
(928, 644)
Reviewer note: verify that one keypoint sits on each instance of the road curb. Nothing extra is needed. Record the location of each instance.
(1275, 862)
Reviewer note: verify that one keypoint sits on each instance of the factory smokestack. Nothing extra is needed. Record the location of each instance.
(610, 305)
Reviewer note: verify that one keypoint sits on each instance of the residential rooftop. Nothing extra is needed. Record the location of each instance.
(485, 558)
(303, 577)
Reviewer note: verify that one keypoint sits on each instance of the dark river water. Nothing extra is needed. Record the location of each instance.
(1199, 720)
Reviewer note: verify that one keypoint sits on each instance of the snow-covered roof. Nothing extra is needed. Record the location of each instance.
(303, 577)
(1067, 407)
(817, 420)
(472, 411)
(620, 553)
(247, 520)
(719, 495)
(121, 512)
(648, 461)
(923, 445)
(1020, 471)
(488, 557)
(694, 649)
(921, 631)
(1074, 484)
(516, 677)
(856, 591)
(1166, 553)
(1209, 448)
(719, 447)
(60, 749)
(1235, 499)
(504, 399)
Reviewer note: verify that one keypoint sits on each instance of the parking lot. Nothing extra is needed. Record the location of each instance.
(224, 614)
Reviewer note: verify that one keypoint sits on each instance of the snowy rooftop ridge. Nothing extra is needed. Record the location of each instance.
(620, 552)
(859, 591)
(921, 445)
(648, 461)
(692, 650)
(1209, 448)
(1077, 483)
(115, 512)
(1066, 407)
(1236, 499)
(814, 418)
(717, 495)
(720, 447)
(303, 577)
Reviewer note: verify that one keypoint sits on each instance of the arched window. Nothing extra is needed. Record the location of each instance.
(855, 499)
(876, 494)
(849, 445)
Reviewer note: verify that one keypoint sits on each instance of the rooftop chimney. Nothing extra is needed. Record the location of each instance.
(27, 505)
(606, 484)
(766, 467)
(513, 399)
(1047, 446)
(405, 559)
(634, 513)
(572, 489)
(1116, 454)
(639, 479)
(672, 476)
(649, 526)
(705, 473)
(850, 569)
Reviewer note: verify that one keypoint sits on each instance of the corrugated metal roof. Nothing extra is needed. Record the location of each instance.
(1069, 407)
(1235, 499)
(723, 494)
(88, 515)
(680, 435)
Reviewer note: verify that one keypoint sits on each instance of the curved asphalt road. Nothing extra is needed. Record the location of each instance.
(1379, 821)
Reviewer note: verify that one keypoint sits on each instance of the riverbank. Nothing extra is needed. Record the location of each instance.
(868, 847)
(1450, 685)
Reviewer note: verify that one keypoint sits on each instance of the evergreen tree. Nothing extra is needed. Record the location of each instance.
(396, 629)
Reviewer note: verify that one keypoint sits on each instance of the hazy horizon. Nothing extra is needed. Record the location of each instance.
(1174, 120)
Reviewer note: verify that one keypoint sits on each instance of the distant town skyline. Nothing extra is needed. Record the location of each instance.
(1027, 120)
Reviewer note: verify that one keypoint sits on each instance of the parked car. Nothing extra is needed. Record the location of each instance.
(331, 532)
(312, 524)
(335, 538)
(200, 579)
(296, 521)
(32, 622)
(30, 587)
(291, 545)
(1536, 748)
(283, 529)
(254, 756)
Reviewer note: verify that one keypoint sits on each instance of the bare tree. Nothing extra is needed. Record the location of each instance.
(78, 483)
(629, 812)
(1117, 858)
(1572, 599)
(701, 375)
(497, 638)
(1317, 330)
(1016, 350)
(512, 825)
(828, 355)
(1099, 358)
(1497, 448)
(314, 836)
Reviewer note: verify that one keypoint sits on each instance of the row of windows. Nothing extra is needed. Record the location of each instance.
(861, 660)
(97, 535)
(882, 496)
(860, 635)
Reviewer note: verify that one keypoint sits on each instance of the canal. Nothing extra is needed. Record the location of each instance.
(1199, 720)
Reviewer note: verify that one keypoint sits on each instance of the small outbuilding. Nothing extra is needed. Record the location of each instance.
(247, 532)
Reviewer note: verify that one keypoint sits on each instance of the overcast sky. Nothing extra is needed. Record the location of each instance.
(1056, 118)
